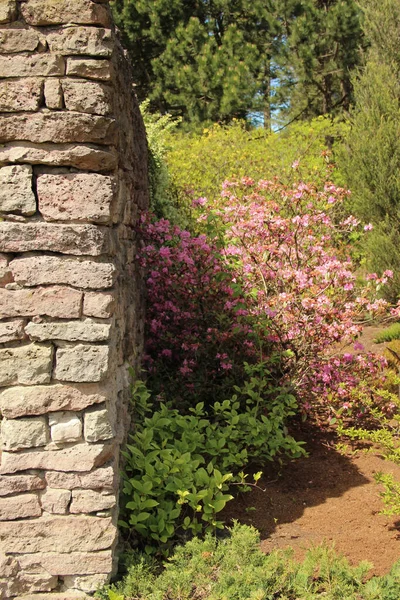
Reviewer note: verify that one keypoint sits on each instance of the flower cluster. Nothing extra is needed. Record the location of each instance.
(300, 284)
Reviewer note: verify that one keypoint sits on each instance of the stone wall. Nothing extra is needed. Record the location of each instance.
(73, 178)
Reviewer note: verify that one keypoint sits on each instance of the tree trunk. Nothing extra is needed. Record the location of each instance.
(267, 96)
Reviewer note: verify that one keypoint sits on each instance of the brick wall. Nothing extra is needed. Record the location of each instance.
(73, 178)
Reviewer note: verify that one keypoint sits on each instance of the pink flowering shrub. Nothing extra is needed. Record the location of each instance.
(245, 322)
(299, 281)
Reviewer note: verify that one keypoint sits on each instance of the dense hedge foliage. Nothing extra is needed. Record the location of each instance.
(370, 162)
(370, 159)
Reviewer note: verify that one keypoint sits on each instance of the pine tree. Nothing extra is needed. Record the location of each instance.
(324, 39)
(207, 60)
(146, 27)
(214, 60)
(370, 159)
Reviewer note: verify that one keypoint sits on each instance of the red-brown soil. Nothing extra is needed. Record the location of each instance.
(328, 497)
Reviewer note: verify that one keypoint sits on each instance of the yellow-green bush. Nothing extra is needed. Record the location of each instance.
(199, 163)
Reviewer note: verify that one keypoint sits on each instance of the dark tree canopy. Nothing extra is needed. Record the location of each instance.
(214, 60)
(324, 44)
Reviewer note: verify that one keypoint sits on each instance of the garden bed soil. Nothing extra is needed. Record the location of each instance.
(330, 497)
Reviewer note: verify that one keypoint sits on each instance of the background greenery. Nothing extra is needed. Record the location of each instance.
(370, 156)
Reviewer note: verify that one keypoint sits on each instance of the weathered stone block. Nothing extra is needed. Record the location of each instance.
(56, 501)
(89, 158)
(75, 196)
(27, 365)
(87, 501)
(81, 457)
(24, 433)
(39, 270)
(69, 595)
(90, 68)
(8, 11)
(71, 331)
(98, 304)
(88, 41)
(82, 363)
(48, 12)
(18, 40)
(89, 583)
(54, 301)
(53, 95)
(58, 534)
(16, 194)
(74, 563)
(68, 239)
(37, 400)
(15, 484)
(65, 427)
(99, 425)
(57, 127)
(42, 582)
(87, 97)
(27, 583)
(12, 331)
(19, 507)
(103, 478)
(32, 65)
(8, 566)
(5, 273)
(21, 94)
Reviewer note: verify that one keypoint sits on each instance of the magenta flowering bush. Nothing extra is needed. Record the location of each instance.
(198, 335)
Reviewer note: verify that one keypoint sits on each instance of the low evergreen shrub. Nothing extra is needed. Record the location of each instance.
(389, 334)
(235, 569)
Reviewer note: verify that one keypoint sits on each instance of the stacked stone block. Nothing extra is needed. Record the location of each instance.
(73, 180)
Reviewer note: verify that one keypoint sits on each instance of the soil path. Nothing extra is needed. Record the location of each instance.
(328, 497)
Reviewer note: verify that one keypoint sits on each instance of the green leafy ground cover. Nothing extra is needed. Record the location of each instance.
(389, 334)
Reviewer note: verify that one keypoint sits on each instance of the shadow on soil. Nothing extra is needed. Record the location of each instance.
(299, 484)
